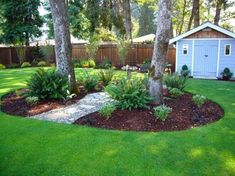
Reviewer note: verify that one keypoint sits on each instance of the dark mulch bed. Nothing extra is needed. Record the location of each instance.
(15, 104)
(184, 115)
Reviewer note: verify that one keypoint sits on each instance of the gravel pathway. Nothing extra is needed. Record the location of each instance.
(89, 104)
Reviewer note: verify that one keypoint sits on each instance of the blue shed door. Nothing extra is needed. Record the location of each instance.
(205, 58)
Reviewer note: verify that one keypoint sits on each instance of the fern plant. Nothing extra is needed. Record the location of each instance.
(130, 94)
(47, 84)
(105, 76)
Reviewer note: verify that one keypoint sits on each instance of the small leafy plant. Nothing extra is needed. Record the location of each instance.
(105, 64)
(130, 94)
(42, 64)
(227, 74)
(84, 63)
(107, 110)
(199, 100)
(162, 112)
(185, 72)
(32, 100)
(13, 66)
(105, 76)
(175, 81)
(92, 63)
(2, 66)
(25, 64)
(175, 92)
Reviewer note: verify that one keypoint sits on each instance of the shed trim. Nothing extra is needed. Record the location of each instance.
(218, 58)
(203, 26)
(193, 56)
(176, 58)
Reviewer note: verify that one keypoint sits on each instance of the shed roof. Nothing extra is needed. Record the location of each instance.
(203, 26)
(149, 37)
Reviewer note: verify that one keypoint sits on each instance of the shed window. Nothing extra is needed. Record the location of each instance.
(227, 50)
(185, 49)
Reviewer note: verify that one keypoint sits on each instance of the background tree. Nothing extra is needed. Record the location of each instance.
(146, 20)
(160, 50)
(62, 42)
(21, 21)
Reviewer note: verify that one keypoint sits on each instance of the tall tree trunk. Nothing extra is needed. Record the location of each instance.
(63, 45)
(196, 13)
(217, 12)
(160, 50)
(183, 16)
(127, 15)
(190, 20)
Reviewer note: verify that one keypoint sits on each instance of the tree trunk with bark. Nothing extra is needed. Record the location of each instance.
(183, 16)
(160, 50)
(127, 15)
(63, 47)
(190, 20)
(217, 12)
(196, 13)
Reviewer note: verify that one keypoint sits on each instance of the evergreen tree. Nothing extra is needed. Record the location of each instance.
(146, 21)
(21, 21)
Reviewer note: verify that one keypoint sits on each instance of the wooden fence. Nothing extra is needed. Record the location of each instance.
(136, 55)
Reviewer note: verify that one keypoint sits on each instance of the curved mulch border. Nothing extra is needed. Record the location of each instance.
(184, 115)
(14, 104)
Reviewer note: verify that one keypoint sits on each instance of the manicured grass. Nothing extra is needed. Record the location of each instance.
(33, 147)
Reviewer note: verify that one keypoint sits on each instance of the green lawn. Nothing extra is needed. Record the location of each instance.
(33, 147)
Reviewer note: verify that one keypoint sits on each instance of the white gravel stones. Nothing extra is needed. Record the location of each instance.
(89, 104)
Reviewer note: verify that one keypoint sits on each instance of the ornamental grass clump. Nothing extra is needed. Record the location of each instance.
(47, 85)
(107, 110)
(162, 112)
(175, 81)
(174, 92)
(130, 94)
(199, 100)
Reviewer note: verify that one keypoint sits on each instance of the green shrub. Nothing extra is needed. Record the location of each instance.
(42, 64)
(199, 100)
(107, 110)
(129, 93)
(105, 76)
(89, 82)
(32, 100)
(106, 63)
(227, 74)
(174, 92)
(76, 63)
(92, 63)
(175, 81)
(48, 84)
(13, 66)
(2, 66)
(185, 72)
(84, 63)
(25, 64)
(162, 112)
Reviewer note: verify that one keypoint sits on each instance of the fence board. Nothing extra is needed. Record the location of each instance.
(136, 55)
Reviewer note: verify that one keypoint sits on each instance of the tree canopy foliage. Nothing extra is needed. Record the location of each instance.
(108, 19)
(20, 21)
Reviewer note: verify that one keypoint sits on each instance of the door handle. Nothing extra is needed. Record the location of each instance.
(206, 55)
